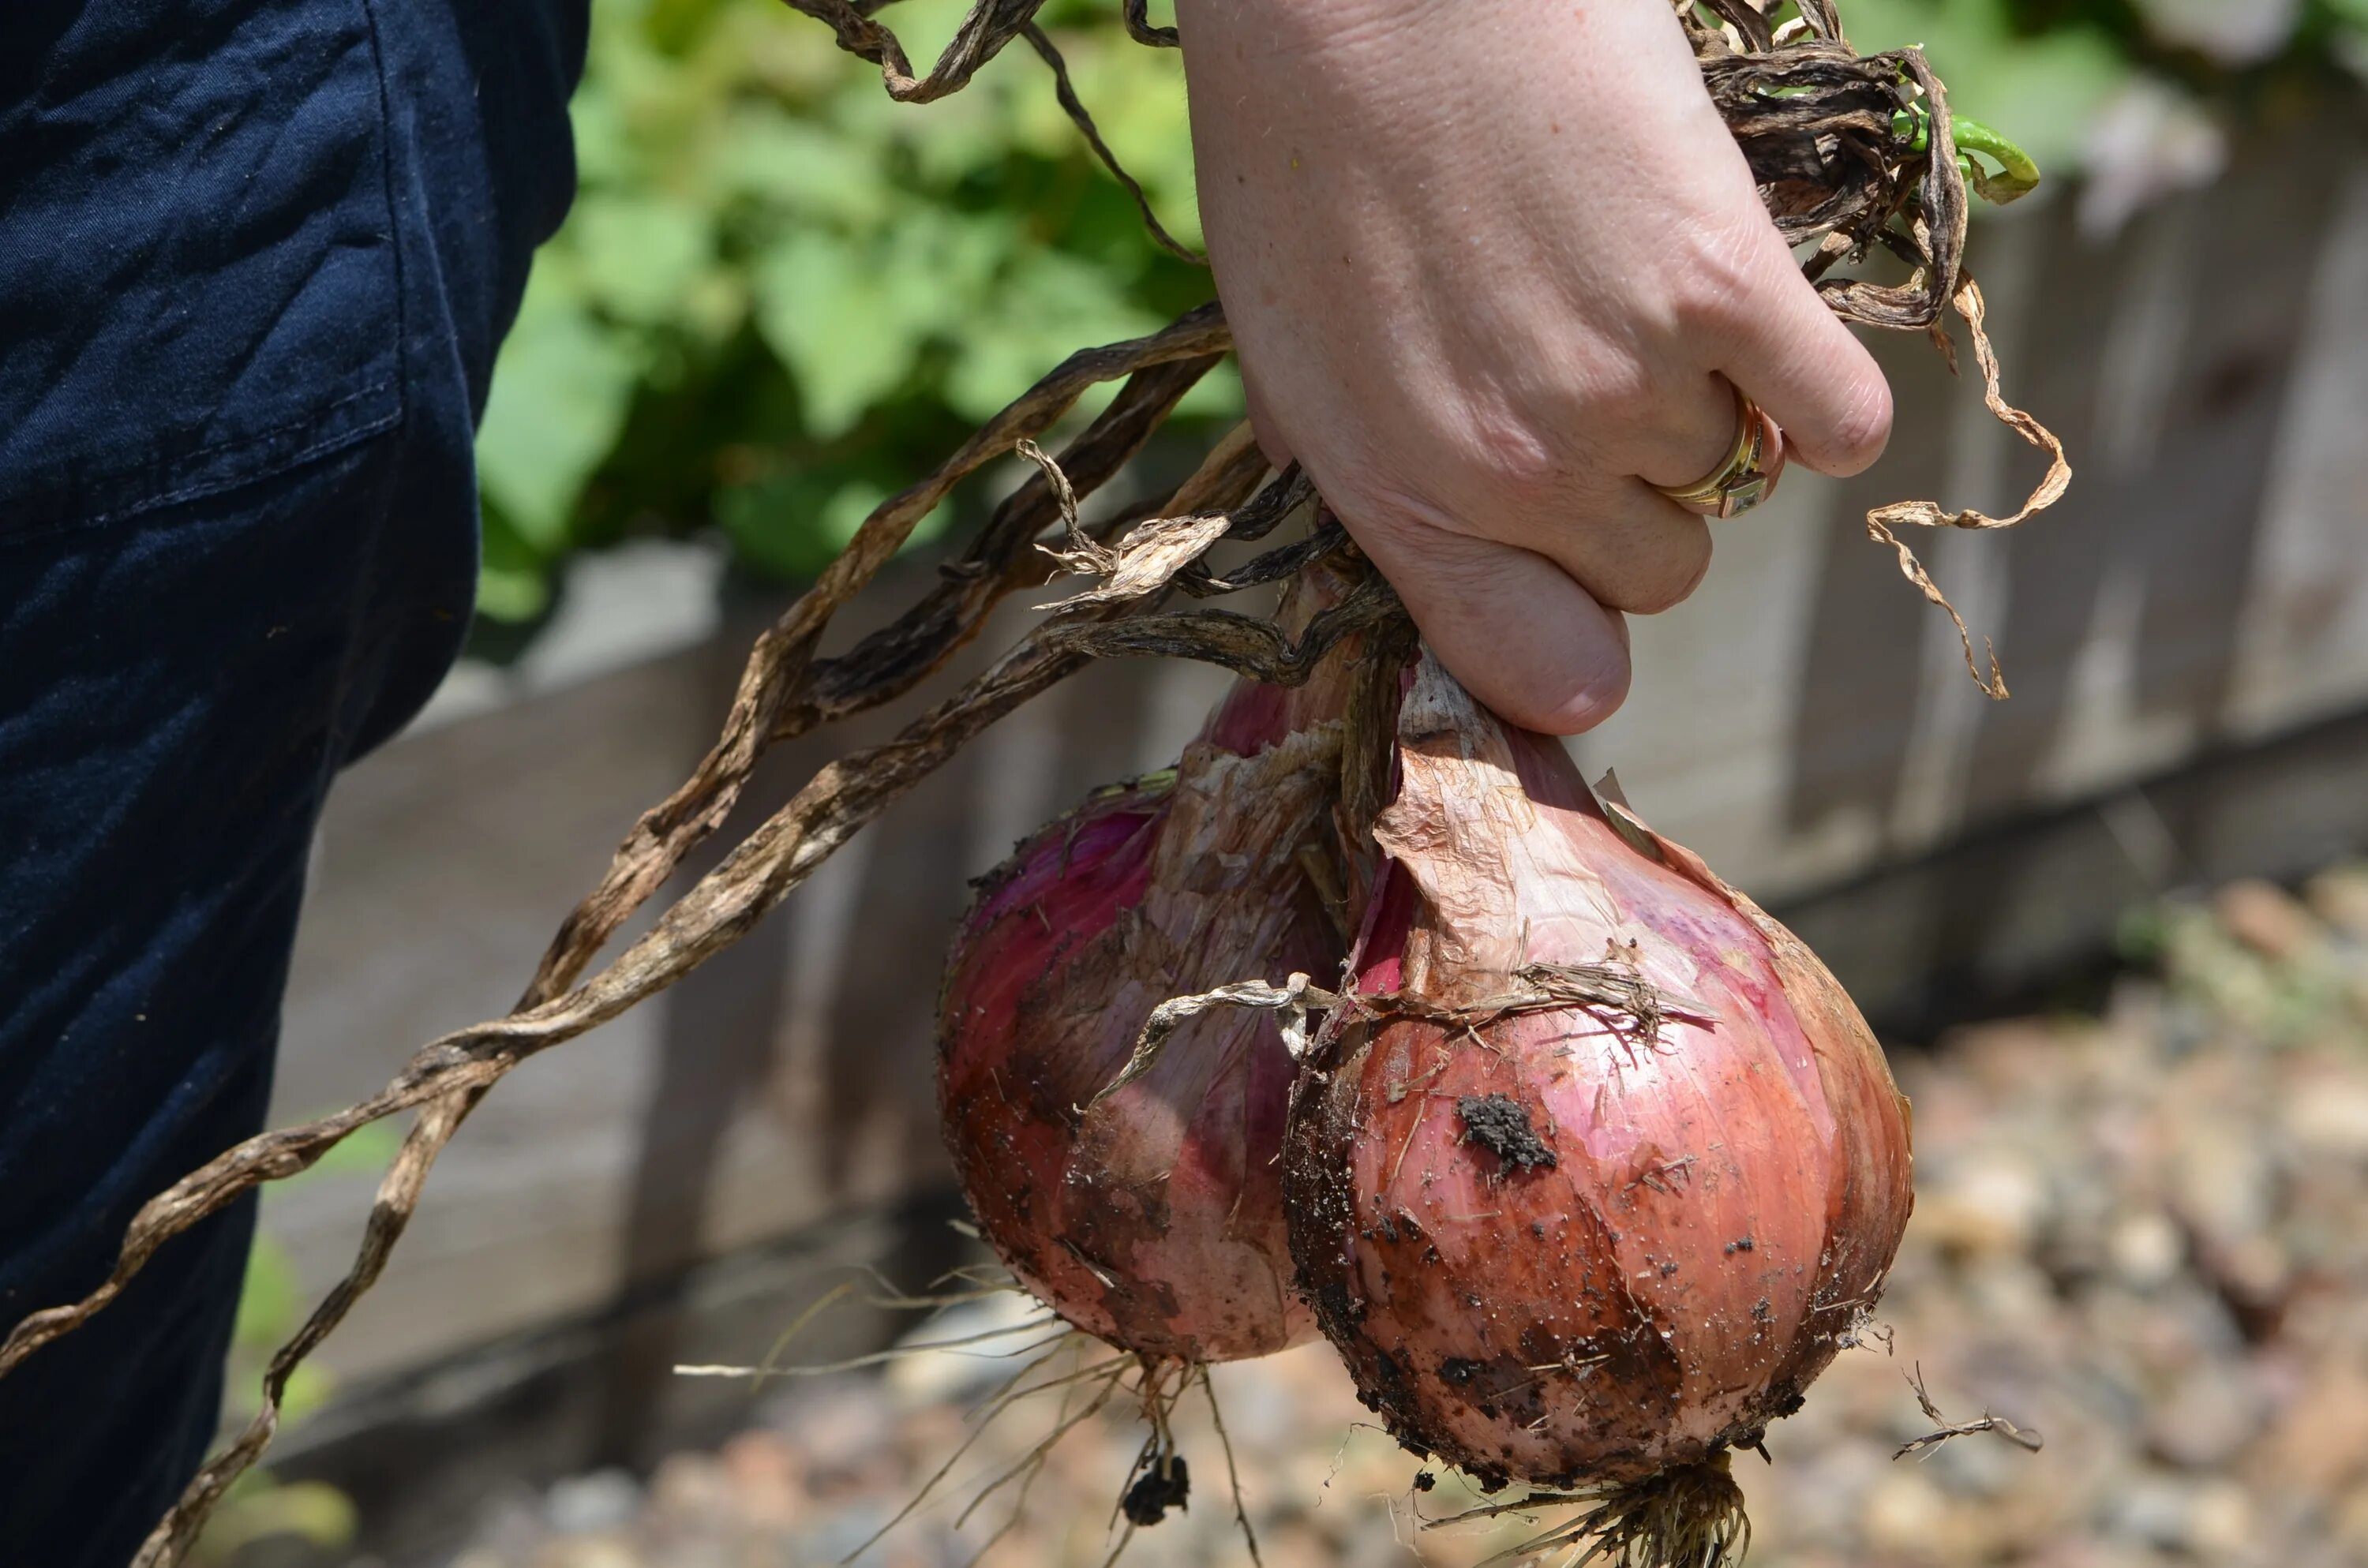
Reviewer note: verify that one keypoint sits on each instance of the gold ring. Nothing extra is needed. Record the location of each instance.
(1749, 473)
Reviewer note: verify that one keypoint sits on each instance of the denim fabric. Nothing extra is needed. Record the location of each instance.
(256, 256)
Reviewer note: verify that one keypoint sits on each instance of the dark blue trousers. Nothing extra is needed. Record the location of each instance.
(256, 256)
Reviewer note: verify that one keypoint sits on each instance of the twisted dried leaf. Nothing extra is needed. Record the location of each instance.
(990, 24)
(1883, 520)
(2023, 1437)
(1139, 28)
(1074, 108)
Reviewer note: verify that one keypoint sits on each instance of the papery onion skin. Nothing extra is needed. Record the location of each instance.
(1548, 1249)
(1153, 1219)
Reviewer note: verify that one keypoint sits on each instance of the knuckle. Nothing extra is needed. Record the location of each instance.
(1383, 514)
(1715, 286)
(1626, 407)
(1511, 464)
(1453, 571)
(1665, 583)
(1676, 588)
(1478, 474)
(1650, 594)
(1484, 474)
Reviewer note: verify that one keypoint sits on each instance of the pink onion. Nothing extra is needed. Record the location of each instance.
(1603, 1165)
(1154, 1219)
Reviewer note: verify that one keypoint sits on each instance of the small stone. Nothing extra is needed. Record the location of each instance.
(2207, 1419)
(2254, 1270)
(2268, 919)
(2219, 1522)
(511, 1524)
(924, 1375)
(2351, 1531)
(2155, 1508)
(2340, 897)
(689, 1487)
(834, 1421)
(595, 1551)
(2321, 1441)
(2221, 1181)
(767, 1477)
(2327, 1116)
(587, 1505)
(1991, 1204)
(2146, 1249)
(1904, 1515)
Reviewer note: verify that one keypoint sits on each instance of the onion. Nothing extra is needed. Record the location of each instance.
(1151, 1216)
(1600, 1166)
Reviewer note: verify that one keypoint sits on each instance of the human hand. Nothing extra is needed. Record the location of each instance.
(1491, 265)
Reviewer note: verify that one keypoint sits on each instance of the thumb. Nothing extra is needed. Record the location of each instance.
(1518, 632)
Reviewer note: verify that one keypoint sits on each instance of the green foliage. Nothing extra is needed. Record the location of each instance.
(779, 294)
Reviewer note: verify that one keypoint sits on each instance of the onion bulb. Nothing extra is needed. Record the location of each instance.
(1599, 1166)
(1151, 1216)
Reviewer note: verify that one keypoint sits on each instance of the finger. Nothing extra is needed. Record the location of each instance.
(1691, 431)
(1631, 548)
(1524, 638)
(1800, 363)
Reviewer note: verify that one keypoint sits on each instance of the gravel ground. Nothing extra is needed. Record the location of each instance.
(2144, 1235)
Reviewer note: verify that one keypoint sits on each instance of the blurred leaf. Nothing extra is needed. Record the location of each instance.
(639, 258)
(270, 1302)
(791, 526)
(271, 1307)
(258, 1507)
(369, 1149)
(513, 577)
(808, 172)
(833, 318)
(1047, 304)
(849, 317)
(604, 146)
(2348, 21)
(512, 594)
(2142, 935)
(780, 292)
(1217, 395)
(559, 397)
(2043, 91)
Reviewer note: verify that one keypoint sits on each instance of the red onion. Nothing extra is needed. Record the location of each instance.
(1602, 1165)
(1154, 1219)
